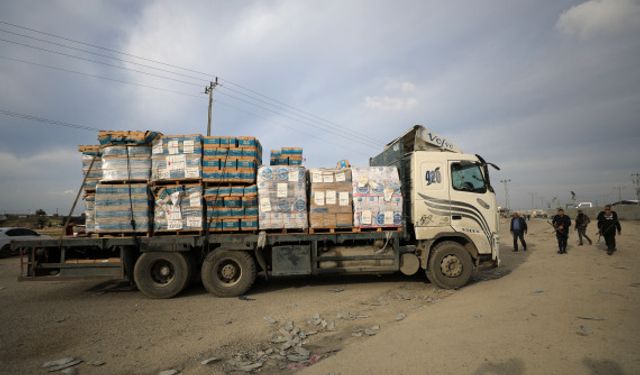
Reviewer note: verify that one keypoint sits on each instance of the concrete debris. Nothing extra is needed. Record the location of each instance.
(227, 322)
(288, 326)
(400, 317)
(584, 330)
(61, 364)
(270, 320)
(589, 317)
(350, 316)
(70, 371)
(250, 367)
(331, 326)
(372, 331)
(169, 372)
(278, 339)
(296, 358)
(302, 351)
(96, 363)
(336, 290)
(210, 360)
(538, 291)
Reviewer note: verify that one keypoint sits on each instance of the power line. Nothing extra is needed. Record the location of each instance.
(208, 75)
(103, 55)
(43, 120)
(97, 62)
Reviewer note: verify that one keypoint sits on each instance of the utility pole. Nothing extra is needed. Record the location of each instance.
(506, 193)
(636, 181)
(209, 90)
(532, 197)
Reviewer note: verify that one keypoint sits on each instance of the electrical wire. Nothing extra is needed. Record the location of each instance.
(43, 120)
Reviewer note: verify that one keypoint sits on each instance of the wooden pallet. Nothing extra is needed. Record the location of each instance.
(333, 230)
(182, 232)
(286, 230)
(177, 181)
(121, 234)
(124, 182)
(215, 183)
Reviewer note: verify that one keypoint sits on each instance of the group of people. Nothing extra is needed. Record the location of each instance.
(608, 226)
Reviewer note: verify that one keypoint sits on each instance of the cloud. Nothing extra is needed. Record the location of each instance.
(402, 86)
(600, 17)
(390, 103)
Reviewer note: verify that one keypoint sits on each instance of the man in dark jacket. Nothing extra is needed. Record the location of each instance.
(518, 230)
(582, 220)
(607, 225)
(561, 223)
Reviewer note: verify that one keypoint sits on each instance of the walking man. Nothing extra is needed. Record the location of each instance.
(518, 230)
(582, 220)
(561, 223)
(607, 225)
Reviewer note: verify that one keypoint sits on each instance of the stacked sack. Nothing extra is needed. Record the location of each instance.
(176, 157)
(377, 200)
(122, 201)
(286, 156)
(232, 208)
(331, 198)
(178, 208)
(91, 177)
(282, 197)
(230, 159)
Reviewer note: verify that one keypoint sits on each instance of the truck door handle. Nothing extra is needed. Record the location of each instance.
(456, 217)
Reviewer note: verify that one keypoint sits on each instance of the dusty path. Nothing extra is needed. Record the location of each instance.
(519, 319)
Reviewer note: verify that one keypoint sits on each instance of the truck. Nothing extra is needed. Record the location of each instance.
(449, 228)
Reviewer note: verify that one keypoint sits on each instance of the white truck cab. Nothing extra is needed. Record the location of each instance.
(450, 207)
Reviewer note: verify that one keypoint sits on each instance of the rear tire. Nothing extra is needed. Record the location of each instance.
(5, 251)
(228, 273)
(161, 275)
(450, 265)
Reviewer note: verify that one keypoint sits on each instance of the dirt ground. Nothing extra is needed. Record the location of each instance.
(539, 313)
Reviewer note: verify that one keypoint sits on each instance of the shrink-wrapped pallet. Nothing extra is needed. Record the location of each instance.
(90, 212)
(126, 137)
(126, 163)
(286, 156)
(377, 200)
(176, 157)
(178, 208)
(330, 203)
(282, 197)
(230, 159)
(122, 208)
(232, 208)
(89, 154)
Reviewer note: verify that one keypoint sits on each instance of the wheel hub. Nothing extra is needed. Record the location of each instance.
(451, 266)
(228, 271)
(162, 272)
(165, 271)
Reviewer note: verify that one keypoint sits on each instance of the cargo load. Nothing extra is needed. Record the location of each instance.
(232, 208)
(286, 156)
(330, 198)
(377, 200)
(230, 159)
(176, 157)
(126, 163)
(90, 212)
(126, 137)
(89, 154)
(178, 208)
(122, 208)
(282, 194)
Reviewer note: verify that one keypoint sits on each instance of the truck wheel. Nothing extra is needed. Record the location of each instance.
(228, 273)
(450, 265)
(161, 275)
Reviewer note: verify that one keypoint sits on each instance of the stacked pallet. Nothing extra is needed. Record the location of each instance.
(176, 157)
(178, 208)
(331, 199)
(230, 159)
(377, 201)
(286, 156)
(229, 173)
(282, 192)
(92, 173)
(232, 208)
(123, 201)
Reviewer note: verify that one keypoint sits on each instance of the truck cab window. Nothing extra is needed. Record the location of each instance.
(467, 177)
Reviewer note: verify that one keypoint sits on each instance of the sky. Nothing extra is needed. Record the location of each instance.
(549, 91)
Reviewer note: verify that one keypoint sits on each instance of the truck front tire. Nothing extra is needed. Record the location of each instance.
(227, 273)
(450, 265)
(161, 274)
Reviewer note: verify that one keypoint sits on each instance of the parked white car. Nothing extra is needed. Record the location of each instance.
(14, 233)
(584, 205)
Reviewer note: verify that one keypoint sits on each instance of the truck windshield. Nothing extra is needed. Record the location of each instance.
(467, 176)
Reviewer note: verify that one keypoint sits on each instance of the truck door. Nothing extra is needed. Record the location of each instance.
(471, 203)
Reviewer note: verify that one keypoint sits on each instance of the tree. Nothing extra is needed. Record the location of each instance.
(40, 212)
